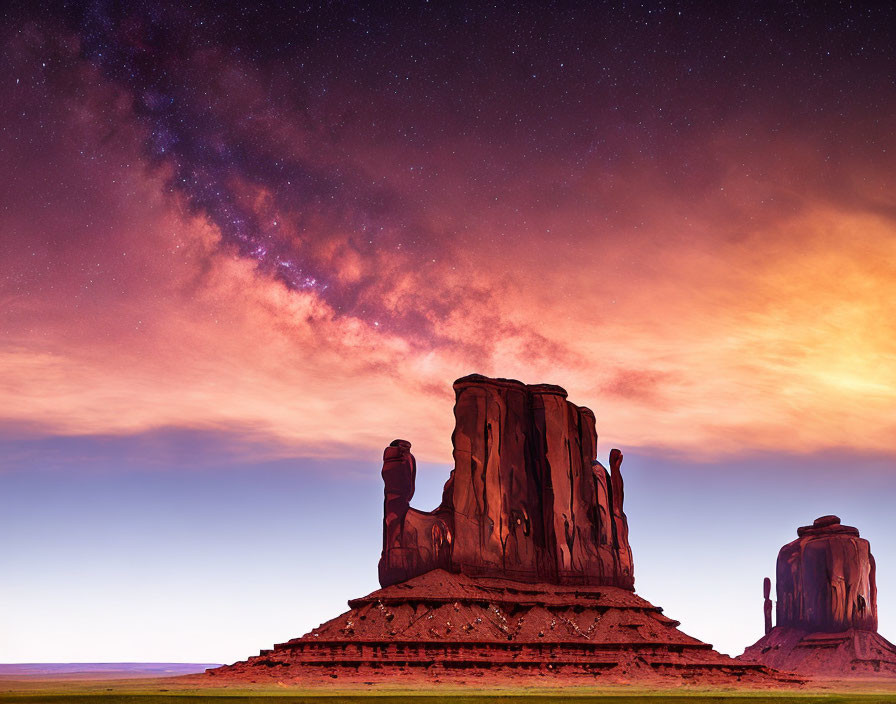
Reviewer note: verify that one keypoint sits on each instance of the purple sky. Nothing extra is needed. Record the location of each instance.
(116, 554)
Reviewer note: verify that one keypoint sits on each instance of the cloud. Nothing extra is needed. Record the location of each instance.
(738, 306)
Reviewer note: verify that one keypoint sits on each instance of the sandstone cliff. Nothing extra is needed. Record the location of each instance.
(527, 499)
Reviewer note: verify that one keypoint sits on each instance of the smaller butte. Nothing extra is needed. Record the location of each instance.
(827, 607)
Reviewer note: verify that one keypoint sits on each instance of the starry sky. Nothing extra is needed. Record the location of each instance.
(244, 247)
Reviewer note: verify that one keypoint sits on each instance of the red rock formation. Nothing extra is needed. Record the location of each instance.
(525, 567)
(825, 580)
(827, 606)
(415, 541)
(527, 499)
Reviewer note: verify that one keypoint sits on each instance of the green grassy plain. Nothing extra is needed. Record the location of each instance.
(212, 697)
(184, 691)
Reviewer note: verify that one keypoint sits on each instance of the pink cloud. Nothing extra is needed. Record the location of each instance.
(754, 316)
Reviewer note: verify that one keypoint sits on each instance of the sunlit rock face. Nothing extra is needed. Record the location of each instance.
(527, 499)
(825, 579)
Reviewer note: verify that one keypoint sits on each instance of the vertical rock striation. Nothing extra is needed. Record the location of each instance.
(527, 499)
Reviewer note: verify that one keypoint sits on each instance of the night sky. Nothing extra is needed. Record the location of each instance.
(243, 248)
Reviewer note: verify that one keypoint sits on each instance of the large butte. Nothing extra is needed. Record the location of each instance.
(523, 570)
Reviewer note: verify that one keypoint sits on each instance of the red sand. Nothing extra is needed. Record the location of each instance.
(442, 625)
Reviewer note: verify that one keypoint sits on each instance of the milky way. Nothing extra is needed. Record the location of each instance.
(580, 87)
